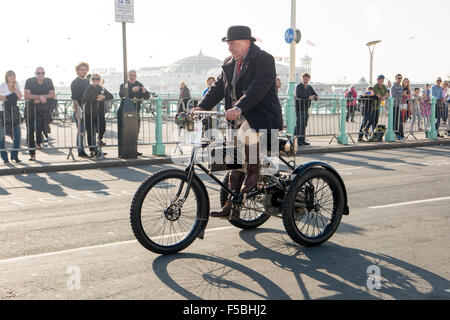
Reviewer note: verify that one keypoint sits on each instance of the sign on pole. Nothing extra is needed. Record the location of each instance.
(124, 11)
(289, 35)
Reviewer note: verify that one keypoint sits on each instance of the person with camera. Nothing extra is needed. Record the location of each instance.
(248, 84)
(94, 97)
(304, 95)
(10, 117)
(39, 91)
(137, 93)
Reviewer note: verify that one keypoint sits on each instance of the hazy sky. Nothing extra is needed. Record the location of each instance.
(58, 34)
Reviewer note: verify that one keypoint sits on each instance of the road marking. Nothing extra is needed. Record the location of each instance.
(410, 202)
(106, 245)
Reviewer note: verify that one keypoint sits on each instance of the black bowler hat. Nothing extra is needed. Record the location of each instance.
(238, 33)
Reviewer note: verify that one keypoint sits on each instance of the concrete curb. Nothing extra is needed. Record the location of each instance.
(374, 146)
(116, 163)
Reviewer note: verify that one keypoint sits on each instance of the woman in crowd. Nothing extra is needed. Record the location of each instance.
(351, 95)
(95, 97)
(185, 96)
(10, 117)
(406, 98)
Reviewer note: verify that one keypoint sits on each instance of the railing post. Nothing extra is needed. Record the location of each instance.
(343, 138)
(291, 119)
(333, 111)
(432, 133)
(390, 135)
(158, 147)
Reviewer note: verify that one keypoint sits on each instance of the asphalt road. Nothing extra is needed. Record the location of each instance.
(67, 236)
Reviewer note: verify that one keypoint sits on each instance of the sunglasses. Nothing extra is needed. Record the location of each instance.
(96, 79)
(40, 73)
(439, 80)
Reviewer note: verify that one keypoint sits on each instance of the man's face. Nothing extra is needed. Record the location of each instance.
(439, 81)
(40, 74)
(398, 79)
(305, 80)
(416, 93)
(239, 48)
(82, 72)
(132, 77)
(380, 82)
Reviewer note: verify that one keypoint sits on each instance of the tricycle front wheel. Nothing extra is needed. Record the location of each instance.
(157, 222)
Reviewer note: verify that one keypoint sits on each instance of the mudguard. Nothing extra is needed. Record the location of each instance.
(196, 177)
(311, 164)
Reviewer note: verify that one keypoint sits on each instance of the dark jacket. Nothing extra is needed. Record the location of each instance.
(368, 104)
(302, 95)
(256, 91)
(93, 107)
(134, 95)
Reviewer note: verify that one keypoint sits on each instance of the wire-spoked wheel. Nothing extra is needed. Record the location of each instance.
(160, 221)
(313, 207)
(252, 214)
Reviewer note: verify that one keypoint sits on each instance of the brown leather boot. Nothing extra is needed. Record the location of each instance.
(234, 183)
(252, 171)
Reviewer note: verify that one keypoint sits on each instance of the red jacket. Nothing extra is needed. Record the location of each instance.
(351, 102)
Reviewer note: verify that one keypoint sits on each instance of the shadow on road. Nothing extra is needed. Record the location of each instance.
(343, 271)
(198, 276)
(41, 184)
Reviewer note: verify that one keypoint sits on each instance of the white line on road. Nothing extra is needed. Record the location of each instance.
(106, 245)
(410, 202)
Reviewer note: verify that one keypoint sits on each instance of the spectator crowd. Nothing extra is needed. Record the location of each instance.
(90, 98)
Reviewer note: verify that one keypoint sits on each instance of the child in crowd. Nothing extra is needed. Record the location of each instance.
(427, 90)
(368, 102)
(426, 111)
(416, 109)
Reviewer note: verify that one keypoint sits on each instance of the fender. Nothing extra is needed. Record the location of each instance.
(207, 204)
(301, 169)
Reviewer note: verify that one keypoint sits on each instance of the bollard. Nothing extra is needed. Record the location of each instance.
(342, 139)
(432, 133)
(390, 135)
(158, 147)
(291, 117)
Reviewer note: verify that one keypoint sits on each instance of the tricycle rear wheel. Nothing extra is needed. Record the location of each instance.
(249, 219)
(313, 207)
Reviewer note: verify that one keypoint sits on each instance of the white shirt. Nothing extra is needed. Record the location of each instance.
(4, 91)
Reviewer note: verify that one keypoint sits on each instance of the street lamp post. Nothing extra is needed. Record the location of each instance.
(371, 45)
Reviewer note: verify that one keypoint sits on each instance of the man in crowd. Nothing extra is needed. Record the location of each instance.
(137, 93)
(77, 88)
(437, 92)
(396, 93)
(248, 85)
(38, 91)
(382, 93)
(304, 95)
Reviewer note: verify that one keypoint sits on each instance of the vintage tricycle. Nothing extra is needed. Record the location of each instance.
(171, 208)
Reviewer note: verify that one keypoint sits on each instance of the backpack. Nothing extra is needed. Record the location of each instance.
(378, 133)
(349, 95)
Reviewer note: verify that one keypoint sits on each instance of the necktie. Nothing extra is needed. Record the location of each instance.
(239, 67)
